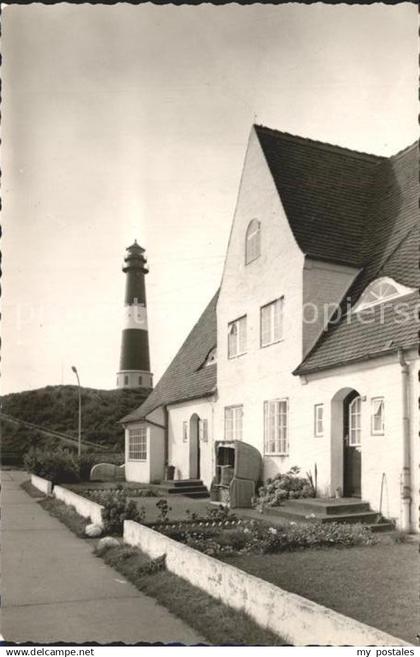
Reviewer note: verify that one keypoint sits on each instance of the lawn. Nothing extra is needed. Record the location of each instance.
(377, 584)
(219, 624)
(179, 507)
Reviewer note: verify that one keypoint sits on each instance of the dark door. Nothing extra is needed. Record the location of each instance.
(194, 447)
(198, 456)
(352, 446)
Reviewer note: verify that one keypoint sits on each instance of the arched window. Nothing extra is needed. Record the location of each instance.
(253, 241)
(381, 290)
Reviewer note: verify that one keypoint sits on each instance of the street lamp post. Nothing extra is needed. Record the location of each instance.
(79, 442)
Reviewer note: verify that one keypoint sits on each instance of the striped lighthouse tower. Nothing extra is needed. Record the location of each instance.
(135, 362)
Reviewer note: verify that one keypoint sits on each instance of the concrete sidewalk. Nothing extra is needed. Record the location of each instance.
(55, 589)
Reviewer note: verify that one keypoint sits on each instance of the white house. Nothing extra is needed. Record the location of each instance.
(309, 349)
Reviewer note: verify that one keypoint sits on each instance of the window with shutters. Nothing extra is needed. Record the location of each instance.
(271, 321)
(237, 337)
(233, 422)
(137, 444)
(276, 435)
(378, 416)
(253, 241)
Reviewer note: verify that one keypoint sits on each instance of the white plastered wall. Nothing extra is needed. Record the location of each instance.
(266, 373)
(179, 450)
(382, 455)
(152, 469)
(262, 373)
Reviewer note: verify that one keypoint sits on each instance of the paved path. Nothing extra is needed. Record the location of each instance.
(55, 589)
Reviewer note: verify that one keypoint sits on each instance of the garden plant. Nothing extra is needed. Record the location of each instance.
(282, 487)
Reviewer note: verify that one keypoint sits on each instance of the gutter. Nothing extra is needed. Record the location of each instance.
(406, 471)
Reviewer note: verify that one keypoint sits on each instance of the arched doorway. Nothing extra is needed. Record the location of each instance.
(346, 453)
(194, 472)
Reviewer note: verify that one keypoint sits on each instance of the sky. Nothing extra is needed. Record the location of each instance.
(123, 122)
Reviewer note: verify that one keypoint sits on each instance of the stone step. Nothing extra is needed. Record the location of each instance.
(170, 483)
(302, 515)
(382, 527)
(328, 506)
(197, 494)
(186, 489)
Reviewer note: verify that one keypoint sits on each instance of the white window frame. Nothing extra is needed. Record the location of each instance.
(253, 241)
(355, 422)
(203, 430)
(234, 422)
(237, 337)
(375, 403)
(276, 419)
(273, 313)
(318, 420)
(381, 290)
(138, 450)
(185, 431)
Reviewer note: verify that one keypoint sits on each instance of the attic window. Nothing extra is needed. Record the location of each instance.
(253, 241)
(211, 357)
(379, 291)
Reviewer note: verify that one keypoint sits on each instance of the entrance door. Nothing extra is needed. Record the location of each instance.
(194, 447)
(352, 446)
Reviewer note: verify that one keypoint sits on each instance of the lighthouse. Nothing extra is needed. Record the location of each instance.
(134, 369)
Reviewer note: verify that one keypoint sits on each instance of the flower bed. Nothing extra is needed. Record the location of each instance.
(222, 533)
(98, 494)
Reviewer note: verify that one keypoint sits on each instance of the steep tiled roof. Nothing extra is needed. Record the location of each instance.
(360, 336)
(390, 248)
(186, 378)
(325, 191)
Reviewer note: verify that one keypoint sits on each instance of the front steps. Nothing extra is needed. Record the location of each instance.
(323, 509)
(193, 488)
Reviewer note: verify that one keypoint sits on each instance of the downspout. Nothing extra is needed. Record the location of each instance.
(166, 436)
(406, 473)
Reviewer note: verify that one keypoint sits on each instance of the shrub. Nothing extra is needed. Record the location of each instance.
(58, 465)
(63, 467)
(163, 509)
(283, 487)
(117, 508)
(88, 459)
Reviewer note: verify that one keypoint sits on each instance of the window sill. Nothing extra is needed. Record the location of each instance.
(243, 353)
(270, 344)
(137, 460)
(275, 454)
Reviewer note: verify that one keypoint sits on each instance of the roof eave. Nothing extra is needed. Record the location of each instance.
(302, 371)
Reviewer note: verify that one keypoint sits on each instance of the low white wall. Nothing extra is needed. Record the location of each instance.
(42, 484)
(83, 506)
(296, 619)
